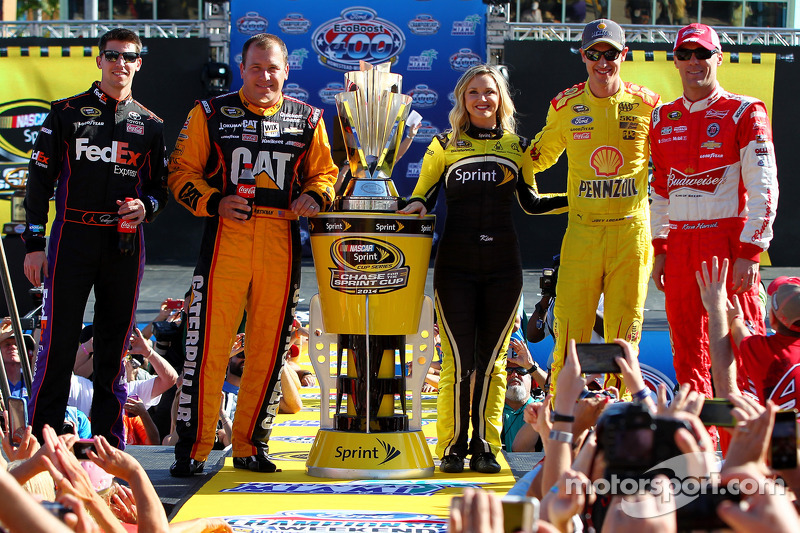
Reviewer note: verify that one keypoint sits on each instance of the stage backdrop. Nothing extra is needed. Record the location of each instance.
(540, 70)
(429, 43)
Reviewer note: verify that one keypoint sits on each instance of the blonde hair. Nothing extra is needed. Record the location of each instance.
(459, 117)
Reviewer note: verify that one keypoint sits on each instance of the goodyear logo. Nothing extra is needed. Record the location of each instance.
(19, 127)
(357, 35)
(365, 265)
(252, 23)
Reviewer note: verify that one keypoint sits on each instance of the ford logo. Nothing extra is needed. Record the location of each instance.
(582, 121)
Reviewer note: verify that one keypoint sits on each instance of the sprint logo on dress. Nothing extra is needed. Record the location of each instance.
(116, 153)
(613, 188)
(464, 175)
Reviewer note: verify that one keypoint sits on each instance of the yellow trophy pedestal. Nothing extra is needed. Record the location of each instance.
(371, 309)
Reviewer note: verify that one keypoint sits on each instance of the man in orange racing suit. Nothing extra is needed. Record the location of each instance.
(603, 125)
(250, 264)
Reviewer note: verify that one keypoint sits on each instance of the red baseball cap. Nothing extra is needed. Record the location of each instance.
(785, 292)
(701, 34)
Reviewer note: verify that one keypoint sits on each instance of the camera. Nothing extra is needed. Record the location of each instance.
(57, 509)
(633, 440)
(547, 283)
(166, 331)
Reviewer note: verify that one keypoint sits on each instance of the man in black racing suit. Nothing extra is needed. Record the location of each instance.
(107, 153)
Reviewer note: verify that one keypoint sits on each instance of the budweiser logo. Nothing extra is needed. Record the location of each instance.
(246, 191)
(707, 181)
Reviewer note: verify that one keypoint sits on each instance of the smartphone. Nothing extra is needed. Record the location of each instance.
(56, 509)
(783, 445)
(81, 447)
(174, 304)
(520, 514)
(717, 412)
(599, 358)
(18, 417)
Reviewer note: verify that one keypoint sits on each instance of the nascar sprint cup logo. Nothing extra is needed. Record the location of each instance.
(358, 35)
(19, 126)
(367, 266)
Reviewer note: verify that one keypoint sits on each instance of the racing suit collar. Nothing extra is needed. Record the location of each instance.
(482, 133)
(104, 98)
(605, 101)
(263, 111)
(705, 103)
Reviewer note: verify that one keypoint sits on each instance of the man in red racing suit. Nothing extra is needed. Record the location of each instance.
(245, 263)
(715, 194)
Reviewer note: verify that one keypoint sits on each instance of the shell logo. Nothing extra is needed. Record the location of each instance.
(606, 161)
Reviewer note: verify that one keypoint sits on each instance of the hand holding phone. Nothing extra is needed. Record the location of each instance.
(717, 412)
(520, 514)
(18, 418)
(174, 304)
(81, 447)
(783, 444)
(599, 358)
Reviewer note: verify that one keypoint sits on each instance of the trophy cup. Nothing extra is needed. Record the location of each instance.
(372, 113)
(371, 326)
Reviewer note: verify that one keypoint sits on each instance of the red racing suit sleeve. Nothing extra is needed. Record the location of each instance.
(760, 179)
(659, 199)
(187, 167)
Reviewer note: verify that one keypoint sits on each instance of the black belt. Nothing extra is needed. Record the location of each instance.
(91, 218)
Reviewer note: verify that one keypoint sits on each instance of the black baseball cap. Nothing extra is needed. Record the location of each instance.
(603, 31)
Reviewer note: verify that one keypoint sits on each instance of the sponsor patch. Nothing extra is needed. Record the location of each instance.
(270, 129)
(674, 115)
(580, 108)
(138, 129)
(250, 137)
(90, 112)
(582, 135)
(712, 130)
(232, 112)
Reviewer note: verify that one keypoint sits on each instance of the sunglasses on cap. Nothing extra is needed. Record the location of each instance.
(113, 55)
(594, 55)
(685, 54)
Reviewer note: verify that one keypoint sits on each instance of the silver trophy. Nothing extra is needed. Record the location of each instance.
(373, 112)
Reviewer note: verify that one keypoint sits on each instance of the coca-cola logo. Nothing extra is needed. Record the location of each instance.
(246, 191)
(126, 226)
(702, 181)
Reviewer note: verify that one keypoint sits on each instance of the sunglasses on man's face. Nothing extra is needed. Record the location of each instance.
(594, 55)
(113, 55)
(685, 54)
(517, 370)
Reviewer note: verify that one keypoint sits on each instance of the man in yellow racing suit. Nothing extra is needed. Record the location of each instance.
(603, 125)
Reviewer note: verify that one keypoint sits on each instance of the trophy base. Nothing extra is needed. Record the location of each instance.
(345, 455)
(368, 203)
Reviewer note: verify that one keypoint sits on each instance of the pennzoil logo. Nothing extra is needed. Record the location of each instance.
(365, 265)
(19, 126)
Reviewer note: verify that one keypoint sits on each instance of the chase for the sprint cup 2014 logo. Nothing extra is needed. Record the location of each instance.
(365, 265)
(358, 35)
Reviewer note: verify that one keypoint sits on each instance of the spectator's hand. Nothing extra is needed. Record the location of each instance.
(113, 460)
(766, 509)
(428, 388)
(752, 434)
(123, 504)
(713, 291)
(414, 207)
(35, 267)
(305, 206)
(587, 412)
(658, 271)
(134, 406)
(629, 365)
(139, 344)
(744, 275)
(27, 447)
(79, 520)
(538, 415)
(734, 308)
(233, 207)
(685, 400)
(570, 383)
(132, 210)
(476, 511)
(574, 492)
(658, 506)
(520, 354)
(698, 451)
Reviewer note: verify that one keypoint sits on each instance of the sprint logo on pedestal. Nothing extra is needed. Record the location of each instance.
(386, 453)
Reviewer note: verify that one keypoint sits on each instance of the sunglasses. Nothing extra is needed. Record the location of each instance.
(594, 55)
(113, 55)
(685, 54)
(517, 370)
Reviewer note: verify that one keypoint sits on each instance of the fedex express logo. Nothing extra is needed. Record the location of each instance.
(358, 35)
(707, 181)
(116, 153)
